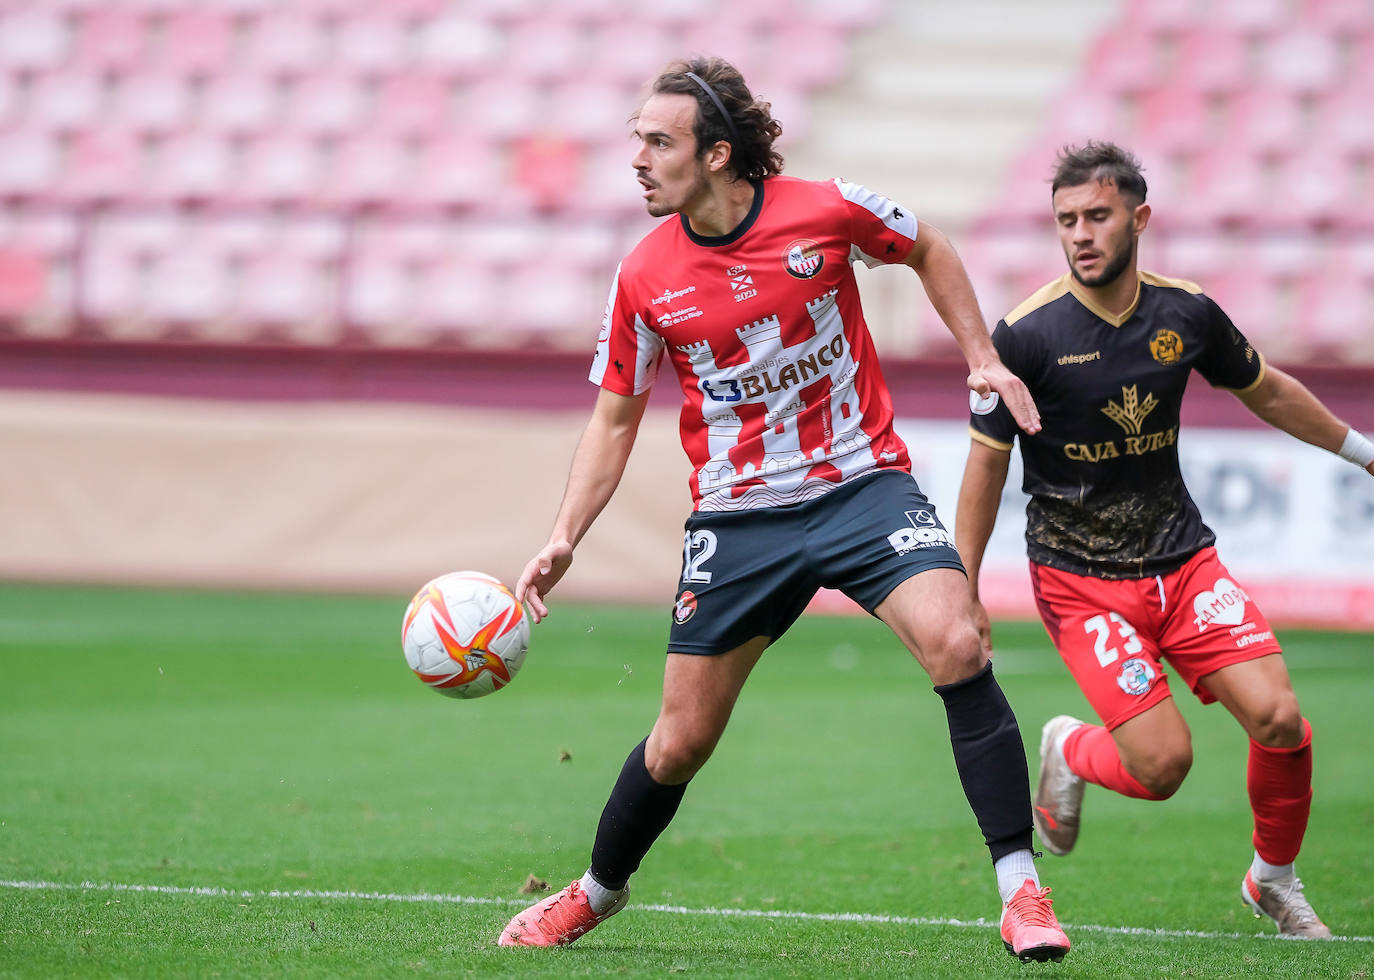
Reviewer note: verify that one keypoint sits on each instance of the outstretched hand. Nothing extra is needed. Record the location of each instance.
(1012, 390)
(541, 574)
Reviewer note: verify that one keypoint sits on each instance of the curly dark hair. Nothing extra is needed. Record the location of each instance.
(1102, 161)
(751, 128)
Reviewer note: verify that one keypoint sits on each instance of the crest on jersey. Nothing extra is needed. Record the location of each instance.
(803, 259)
(1167, 347)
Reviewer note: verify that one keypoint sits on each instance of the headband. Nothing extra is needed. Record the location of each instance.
(720, 107)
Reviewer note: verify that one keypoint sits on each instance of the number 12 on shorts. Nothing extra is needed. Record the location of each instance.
(1101, 630)
(697, 548)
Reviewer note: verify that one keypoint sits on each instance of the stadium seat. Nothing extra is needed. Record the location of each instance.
(240, 104)
(1160, 16)
(111, 39)
(288, 298)
(1315, 189)
(461, 46)
(325, 104)
(1341, 16)
(186, 287)
(1228, 186)
(196, 41)
(367, 170)
(1254, 17)
(1175, 120)
(461, 171)
(1345, 121)
(371, 43)
(279, 169)
(1306, 61)
(1335, 308)
(413, 104)
(102, 165)
(1122, 63)
(285, 43)
(192, 166)
(151, 102)
(1264, 120)
(64, 101)
(33, 39)
(1212, 59)
(23, 281)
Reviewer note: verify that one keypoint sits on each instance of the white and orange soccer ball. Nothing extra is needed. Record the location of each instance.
(464, 635)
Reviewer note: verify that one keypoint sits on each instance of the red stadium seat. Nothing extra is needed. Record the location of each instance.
(462, 171)
(196, 41)
(369, 44)
(1335, 308)
(151, 103)
(461, 45)
(23, 281)
(1344, 16)
(1212, 59)
(367, 170)
(279, 169)
(1228, 186)
(417, 104)
(64, 101)
(1175, 120)
(1123, 63)
(325, 104)
(103, 165)
(33, 39)
(1345, 121)
(1305, 61)
(1160, 16)
(285, 43)
(240, 104)
(191, 167)
(1314, 189)
(289, 298)
(1254, 17)
(1263, 120)
(112, 39)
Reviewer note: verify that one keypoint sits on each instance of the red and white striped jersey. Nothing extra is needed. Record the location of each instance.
(782, 396)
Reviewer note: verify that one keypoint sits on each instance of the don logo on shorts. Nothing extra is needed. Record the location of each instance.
(925, 532)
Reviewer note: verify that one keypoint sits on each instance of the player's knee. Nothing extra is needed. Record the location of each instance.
(1162, 773)
(678, 756)
(957, 654)
(1280, 724)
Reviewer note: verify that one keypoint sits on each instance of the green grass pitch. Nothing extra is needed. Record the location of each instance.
(254, 785)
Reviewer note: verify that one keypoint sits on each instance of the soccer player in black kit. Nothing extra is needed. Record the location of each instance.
(1125, 572)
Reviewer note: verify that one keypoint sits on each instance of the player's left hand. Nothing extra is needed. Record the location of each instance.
(1011, 389)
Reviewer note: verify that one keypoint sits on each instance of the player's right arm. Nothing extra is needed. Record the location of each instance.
(598, 464)
(985, 474)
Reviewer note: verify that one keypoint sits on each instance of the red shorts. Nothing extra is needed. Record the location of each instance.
(1113, 633)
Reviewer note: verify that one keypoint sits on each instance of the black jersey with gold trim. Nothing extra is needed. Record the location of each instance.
(1106, 493)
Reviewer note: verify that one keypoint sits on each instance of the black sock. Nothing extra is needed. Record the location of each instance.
(640, 808)
(991, 760)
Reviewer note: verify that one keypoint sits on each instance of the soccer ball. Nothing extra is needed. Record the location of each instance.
(464, 635)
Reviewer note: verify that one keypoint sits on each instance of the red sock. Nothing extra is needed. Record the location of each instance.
(1280, 785)
(1091, 753)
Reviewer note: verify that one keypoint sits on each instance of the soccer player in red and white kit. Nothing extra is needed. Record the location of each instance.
(1124, 570)
(798, 478)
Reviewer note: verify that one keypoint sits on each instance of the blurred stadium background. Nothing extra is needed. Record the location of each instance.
(300, 294)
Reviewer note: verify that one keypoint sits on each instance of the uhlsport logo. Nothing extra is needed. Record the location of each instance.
(1135, 676)
(925, 532)
(803, 259)
(685, 607)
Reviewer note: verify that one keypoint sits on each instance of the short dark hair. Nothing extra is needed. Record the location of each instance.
(1100, 161)
(752, 156)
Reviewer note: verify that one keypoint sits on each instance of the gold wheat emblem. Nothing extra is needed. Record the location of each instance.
(1130, 414)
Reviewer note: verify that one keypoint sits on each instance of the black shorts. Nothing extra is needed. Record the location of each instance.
(751, 573)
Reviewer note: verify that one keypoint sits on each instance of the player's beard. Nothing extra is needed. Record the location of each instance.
(1112, 271)
(698, 189)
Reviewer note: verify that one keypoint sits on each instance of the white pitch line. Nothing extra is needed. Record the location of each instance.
(428, 898)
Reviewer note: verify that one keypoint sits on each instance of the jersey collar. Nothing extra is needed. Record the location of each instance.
(715, 241)
(1101, 313)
